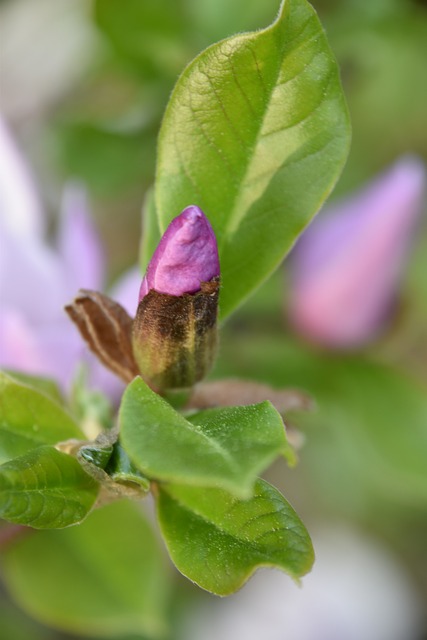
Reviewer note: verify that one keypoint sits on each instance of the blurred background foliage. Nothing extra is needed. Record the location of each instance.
(113, 70)
(85, 85)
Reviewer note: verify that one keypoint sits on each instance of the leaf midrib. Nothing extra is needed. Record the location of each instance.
(235, 217)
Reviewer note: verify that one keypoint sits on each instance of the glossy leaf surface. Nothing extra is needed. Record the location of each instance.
(45, 489)
(256, 133)
(219, 447)
(30, 418)
(218, 541)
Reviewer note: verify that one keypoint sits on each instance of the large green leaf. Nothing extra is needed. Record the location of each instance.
(105, 577)
(256, 133)
(15, 625)
(150, 232)
(30, 418)
(221, 447)
(218, 541)
(45, 489)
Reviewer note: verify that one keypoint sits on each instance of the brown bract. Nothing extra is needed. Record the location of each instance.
(107, 328)
(233, 392)
(171, 342)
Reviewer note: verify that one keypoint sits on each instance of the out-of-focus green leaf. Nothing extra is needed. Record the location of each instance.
(45, 489)
(104, 578)
(381, 47)
(220, 447)
(218, 541)
(14, 625)
(153, 36)
(44, 385)
(92, 408)
(256, 133)
(367, 437)
(218, 19)
(29, 418)
(107, 160)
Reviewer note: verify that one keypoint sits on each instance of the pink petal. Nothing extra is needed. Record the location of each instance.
(186, 256)
(347, 267)
(31, 278)
(79, 244)
(51, 350)
(20, 208)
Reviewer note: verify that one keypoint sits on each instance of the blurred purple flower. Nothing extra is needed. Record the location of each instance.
(346, 268)
(36, 280)
(186, 256)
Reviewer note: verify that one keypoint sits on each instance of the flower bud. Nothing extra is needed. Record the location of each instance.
(174, 332)
(346, 268)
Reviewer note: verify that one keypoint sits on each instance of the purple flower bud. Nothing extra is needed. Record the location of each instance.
(174, 332)
(186, 256)
(347, 266)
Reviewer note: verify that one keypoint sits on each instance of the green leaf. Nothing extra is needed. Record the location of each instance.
(153, 36)
(217, 19)
(45, 489)
(121, 469)
(30, 418)
(104, 578)
(91, 407)
(366, 447)
(150, 232)
(45, 385)
(107, 159)
(15, 625)
(219, 447)
(256, 133)
(95, 454)
(107, 462)
(218, 541)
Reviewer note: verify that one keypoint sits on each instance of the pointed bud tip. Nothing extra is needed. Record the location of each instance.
(186, 256)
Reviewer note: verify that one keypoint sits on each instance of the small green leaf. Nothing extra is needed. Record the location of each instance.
(45, 489)
(91, 407)
(30, 418)
(219, 447)
(106, 577)
(256, 134)
(96, 454)
(107, 462)
(218, 541)
(121, 469)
